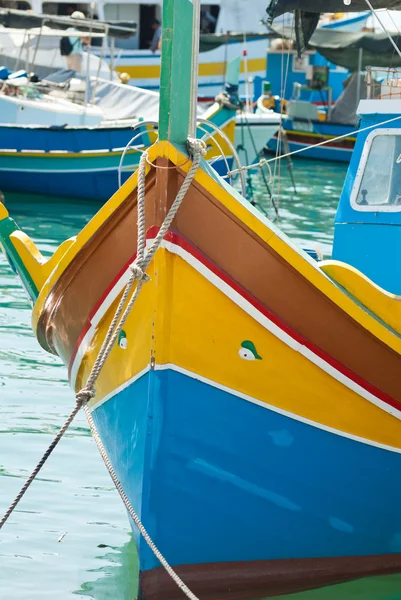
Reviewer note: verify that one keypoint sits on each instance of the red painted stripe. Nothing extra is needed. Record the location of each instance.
(96, 308)
(180, 241)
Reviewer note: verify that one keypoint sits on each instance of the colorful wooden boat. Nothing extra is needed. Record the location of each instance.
(251, 407)
(306, 126)
(305, 134)
(83, 162)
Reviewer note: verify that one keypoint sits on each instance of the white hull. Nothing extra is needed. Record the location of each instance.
(143, 67)
(253, 132)
(46, 111)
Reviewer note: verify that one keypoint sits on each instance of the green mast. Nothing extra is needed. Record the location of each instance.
(176, 70)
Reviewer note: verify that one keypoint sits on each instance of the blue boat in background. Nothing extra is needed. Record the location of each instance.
(305, 125)
(284, 68)
(83, 162)
(367, 231)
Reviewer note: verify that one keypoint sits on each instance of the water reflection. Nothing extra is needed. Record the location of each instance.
(117, 580)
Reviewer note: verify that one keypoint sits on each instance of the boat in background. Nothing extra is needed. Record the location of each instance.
(31, 42)
(306, 125)
(366, 232)
(282, 57)
(66, 135)
(250, 406)
(91, 161)
(228, 27)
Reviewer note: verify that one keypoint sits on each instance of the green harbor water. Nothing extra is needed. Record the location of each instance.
(69, 537)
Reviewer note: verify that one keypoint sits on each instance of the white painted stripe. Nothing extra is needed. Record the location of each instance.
(95, 320)
(235, 393)
(258, 316)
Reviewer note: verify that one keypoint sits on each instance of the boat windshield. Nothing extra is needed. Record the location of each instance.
(379, 188)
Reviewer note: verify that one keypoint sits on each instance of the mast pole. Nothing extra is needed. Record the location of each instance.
(176, 70)
(195, 67)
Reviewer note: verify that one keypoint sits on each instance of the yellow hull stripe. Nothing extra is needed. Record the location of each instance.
(319, 135)
(205, 69)
(186, 320)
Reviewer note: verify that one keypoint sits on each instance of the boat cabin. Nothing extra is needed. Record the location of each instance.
(217, 16)
(367, 231)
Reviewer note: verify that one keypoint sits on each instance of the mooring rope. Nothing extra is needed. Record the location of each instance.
(42, 461)
(138, 274)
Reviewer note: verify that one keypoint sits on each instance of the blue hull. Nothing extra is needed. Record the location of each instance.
(97, 187)
(35, 171)
(304, 134)
(216, 479)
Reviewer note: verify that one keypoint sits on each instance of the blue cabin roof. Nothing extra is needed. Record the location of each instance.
(367, 231)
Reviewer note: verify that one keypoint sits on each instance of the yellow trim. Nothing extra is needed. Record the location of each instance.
(264, 230)
(320, 135)
(3, 212)
(165, 325)
(61, 154)
(38, 267)
(205, 69)
(385, 305)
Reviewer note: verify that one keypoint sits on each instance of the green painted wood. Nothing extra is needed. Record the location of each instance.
(175, 77)
(7, 227)
(233, 71)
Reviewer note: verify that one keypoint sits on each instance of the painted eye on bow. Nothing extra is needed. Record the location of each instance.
(248, 351)
(246, 354)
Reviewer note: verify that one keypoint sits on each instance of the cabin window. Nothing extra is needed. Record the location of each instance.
(140, 14)
(15, 4)
(128, 13)
(65, 9)
(378, 183)
(209, 17)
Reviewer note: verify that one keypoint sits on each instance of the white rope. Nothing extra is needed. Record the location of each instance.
(266, 161)
(138, 268)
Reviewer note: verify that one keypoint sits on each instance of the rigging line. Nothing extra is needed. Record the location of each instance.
(280, 140)
(394, 23)
(374, 11)
(266, 161)
(398, 32)
(282, 91)
(272, 201)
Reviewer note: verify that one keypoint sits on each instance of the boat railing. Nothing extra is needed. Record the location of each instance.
(383, 83)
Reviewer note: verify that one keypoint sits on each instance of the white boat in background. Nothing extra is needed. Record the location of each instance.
(18, 50)
(253, 132)
(352, 22)
(47, 110)
(132, 56)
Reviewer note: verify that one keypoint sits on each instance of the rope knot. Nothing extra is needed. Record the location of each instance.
(138, 272)
(83, 396)
(197, 146)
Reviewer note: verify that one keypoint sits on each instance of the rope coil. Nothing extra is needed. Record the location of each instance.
(138, 275)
